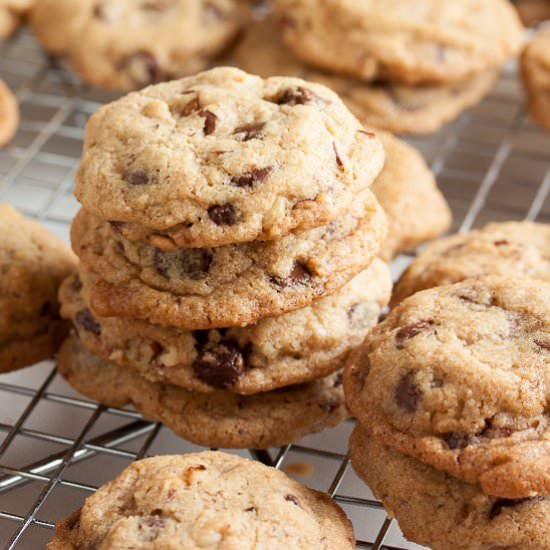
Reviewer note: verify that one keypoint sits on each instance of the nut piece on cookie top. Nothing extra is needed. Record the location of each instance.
(225, 157)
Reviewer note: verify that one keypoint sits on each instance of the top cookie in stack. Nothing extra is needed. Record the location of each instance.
(399, 65)
(220, 201)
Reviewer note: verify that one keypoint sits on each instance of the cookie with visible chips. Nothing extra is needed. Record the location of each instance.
(457, 376)
(219, 420)
(232, 285)
(225, 157)
(461, 516)
(205, 500)
(293, 348)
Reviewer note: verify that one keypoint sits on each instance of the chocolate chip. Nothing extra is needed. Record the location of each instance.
(73, 520)
(192, 262)
(157, 350)
(502, 242)
(249, 179)
(300, 275)
(250, 509)
(250, 131)
(366, 133)
(86, 320)
(502, 503)
(142, 66)
(295, 96)
(293, 499)
(201, 337)
(209, 122)
(223, 214)
(221, 366)
(46, 308)
(410, 331)
(162, 263)
(154, 521)
(457, 440)
(542, 344)
(195, 262)
(491, 431)
(117, 226)
(99, 11)
(191, 107)
(138, 177)
(339, 162)
(474, 300)
(76, 284)
(407, 393)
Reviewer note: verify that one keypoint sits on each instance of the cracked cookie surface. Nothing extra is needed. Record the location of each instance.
(225, 286)
(33, 262)
(215, 420)
(225, 157)
(458, 376)
(461, 516)
(279, 351)
(392, 106)
(128, 44)
(513, 249)
(428, 41)
(205, 500)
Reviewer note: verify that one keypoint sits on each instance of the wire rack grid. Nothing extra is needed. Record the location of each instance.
(56, 448)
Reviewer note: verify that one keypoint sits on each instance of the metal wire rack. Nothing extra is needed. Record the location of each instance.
(56, 447)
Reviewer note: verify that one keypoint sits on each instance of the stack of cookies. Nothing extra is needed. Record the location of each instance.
(407, 67)
(451, 393)
(227, 242)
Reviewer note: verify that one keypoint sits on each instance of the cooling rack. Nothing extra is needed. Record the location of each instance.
(56, 447)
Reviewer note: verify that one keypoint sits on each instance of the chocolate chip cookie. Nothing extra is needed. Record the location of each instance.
(458, 377)
(225, 157)
(408, 193)
(392, 106)
(442, 512)
(32, 265)
(12, 13)
(233, 285)
(278, 351)
(9, 114)
(535, 70)
(513, 249)
(429, 41)
(205, 500)
(220, 420)
(124, 44)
